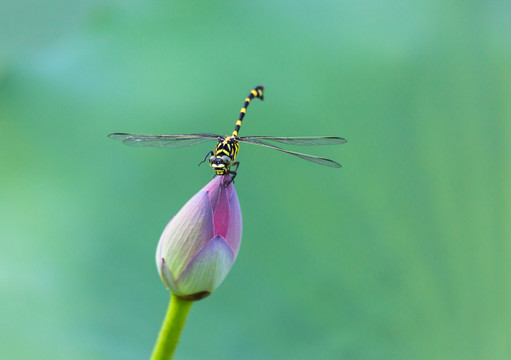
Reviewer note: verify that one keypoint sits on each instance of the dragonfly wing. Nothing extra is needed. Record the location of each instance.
(162, 140)
(307, 141)
(314, 159)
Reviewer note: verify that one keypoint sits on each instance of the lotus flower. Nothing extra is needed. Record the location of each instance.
(199, 245)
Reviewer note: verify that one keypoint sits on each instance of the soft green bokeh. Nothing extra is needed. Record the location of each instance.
(404, 253)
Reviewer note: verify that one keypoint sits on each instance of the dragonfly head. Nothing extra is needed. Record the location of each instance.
(220, 164)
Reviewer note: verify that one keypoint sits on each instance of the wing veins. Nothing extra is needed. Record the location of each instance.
(312, 158)
(162, 140)
(301, 140)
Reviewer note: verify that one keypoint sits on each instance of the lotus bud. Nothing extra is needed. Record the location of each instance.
(199, 245)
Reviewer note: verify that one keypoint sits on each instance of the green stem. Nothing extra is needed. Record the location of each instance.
(171, 328)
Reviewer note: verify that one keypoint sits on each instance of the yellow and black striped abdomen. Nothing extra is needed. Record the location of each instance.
(257, 92)
(227, 148)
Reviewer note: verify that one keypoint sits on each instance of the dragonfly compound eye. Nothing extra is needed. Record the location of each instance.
(226, 159)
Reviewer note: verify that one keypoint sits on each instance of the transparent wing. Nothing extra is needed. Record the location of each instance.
(314, 159)
(162, 140)
(308, 141)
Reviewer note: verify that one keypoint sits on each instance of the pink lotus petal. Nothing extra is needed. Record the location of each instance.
(166, 276)
(187, 233)
(221, 217)
(208, 269)
(233, 235)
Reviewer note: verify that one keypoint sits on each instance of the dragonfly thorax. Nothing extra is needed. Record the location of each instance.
(224, 154)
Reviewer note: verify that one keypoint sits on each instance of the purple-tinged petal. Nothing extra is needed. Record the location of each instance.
(233, 235)
(227, 214)
(166, 276)
(208, 269)
(187, 233)
(221, 216)
(214, 188)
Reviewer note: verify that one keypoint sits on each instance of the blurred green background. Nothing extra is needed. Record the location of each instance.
(404, 253)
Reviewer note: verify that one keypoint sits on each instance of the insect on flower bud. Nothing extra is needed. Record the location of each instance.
(199, 245)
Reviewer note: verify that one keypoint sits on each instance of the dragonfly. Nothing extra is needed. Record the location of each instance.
(222, 158)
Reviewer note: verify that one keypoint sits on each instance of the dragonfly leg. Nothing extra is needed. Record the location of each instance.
(233, 173)
(205, 157)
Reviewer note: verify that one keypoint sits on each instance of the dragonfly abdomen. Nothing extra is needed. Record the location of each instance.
(257, 92)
